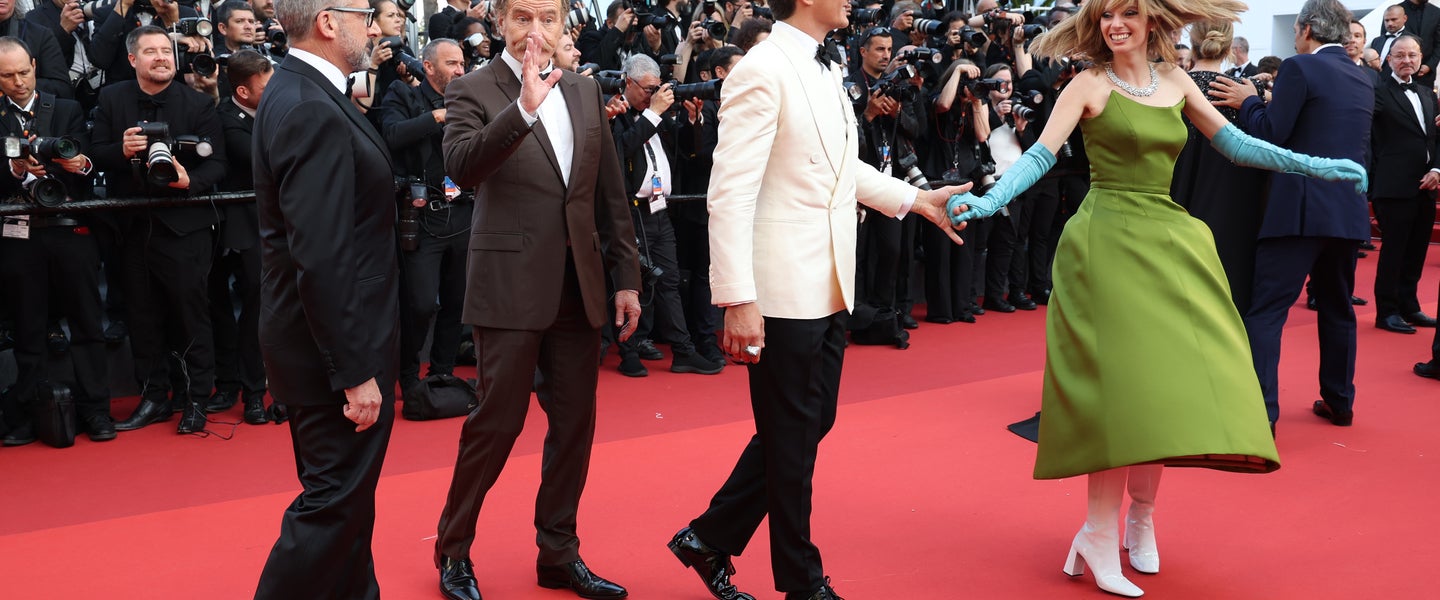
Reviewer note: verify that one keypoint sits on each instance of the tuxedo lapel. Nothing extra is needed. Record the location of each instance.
(510, 86)
(818, 87)
(1401, 104)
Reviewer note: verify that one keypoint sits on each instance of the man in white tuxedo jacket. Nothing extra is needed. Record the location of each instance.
(782, 248)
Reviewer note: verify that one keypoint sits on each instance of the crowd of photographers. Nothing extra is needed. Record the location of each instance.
(154, 98)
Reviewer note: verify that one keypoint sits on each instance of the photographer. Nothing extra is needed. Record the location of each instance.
(959, 127)
(52, 70)
(388, 56)
(699, 39)
(235, 28)
(475, 44)
(1006, 237)
(73, 30)
(445, 23)
(52, 262)
(110, 42)
(642, 135)
(141, 140)
(269, 35)
(889, 122)
(434, 215)
(238, 367)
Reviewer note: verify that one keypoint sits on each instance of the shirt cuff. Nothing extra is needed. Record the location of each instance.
(908, 203)
(652, 116)
(730, 304)
(529, 118)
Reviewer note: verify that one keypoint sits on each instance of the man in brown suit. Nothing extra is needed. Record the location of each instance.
(550, 220)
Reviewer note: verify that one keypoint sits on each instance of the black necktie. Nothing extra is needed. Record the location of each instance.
(827, 54)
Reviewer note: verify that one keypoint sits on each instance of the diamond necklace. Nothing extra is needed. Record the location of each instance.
(1130, 89)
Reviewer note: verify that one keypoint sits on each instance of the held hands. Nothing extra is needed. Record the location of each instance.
(533, 89)
(932, 204)
(362, 404)
(627, 313)
(968, 207)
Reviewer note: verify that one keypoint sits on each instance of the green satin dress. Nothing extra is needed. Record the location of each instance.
(1146, 359)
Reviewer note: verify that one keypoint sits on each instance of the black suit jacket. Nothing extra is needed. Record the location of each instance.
(412, 134)
(631, 132)
(54, 117)
(1400, 145)
(52, 71)
(241, 228)
(187, 112)
(1424, 21)
(108, 44)
(330, 274)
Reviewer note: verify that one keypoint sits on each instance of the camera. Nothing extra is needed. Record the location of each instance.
(981, 86)
(716, 29)
(276, 44)
(704, 90)
(1033, 31)
(929, 26)
(611, 82)
(47, 191)
(401, 55)
(657, 21)
(762, 12)
(199, 63)
(863, 16)
(591, 67)
(194, 26)
(415, 196)
(972, 36)
(1023, 112)
(1075, 67)
(917, 56)
(160, 148)
(667, 64)
(895, 85)
(649, 271)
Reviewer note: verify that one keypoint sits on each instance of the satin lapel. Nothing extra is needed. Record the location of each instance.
(299, 67)
(817, 100)
(510, 86)
(1427, 107)
(571, 90)
(1403, 106)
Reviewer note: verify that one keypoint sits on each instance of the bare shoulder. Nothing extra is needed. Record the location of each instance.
(1091, 88)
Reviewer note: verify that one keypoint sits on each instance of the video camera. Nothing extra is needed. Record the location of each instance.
(48, 191)
(160, 148)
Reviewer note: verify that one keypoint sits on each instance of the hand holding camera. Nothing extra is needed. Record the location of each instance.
(662, 99)
(881, 105)
(625, 19)
(71, 17)
(381, 54)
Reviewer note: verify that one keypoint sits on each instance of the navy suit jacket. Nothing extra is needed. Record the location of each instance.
(1315, 96)
(330, 283)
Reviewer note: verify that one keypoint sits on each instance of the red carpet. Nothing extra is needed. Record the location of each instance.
(920, 491)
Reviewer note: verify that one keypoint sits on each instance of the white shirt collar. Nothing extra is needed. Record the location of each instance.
(787, 30)
(245, 109)
(515, 64)
(327, 69)
(1398, 80)
(29, 106)
(1324, 46)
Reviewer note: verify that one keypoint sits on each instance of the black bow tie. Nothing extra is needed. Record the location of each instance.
(827, 54)
(1409, 87)
(153, 101)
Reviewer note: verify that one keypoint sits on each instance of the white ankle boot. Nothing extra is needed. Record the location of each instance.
(1139, 525)
(1098, 542)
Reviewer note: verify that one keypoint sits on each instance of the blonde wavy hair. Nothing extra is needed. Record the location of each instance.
(1080, 37)
(1212, 39)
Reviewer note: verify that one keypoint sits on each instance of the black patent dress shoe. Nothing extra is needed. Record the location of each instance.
(192, 419)
(1394, 323)
(647, 350)
(999, 305)
(1342, 419)
(908, 322)
(1041, 297)
(825, 592)
(457, 579)
(149, 411)
(1428, 369)
(1358, 301)
(1019, 301)
(100, 427)
(939, 320)
(1310, 303)
(1420, 319)
(255, 408)
(116, 332)
(19, 436)
(976, 310)
(222, 401)
(576, 577)
(713, 567)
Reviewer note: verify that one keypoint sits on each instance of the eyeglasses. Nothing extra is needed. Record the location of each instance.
(368, 12)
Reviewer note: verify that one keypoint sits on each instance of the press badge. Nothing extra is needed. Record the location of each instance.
(657, 195)
(885, 159)
(452, 191)
(17, 227)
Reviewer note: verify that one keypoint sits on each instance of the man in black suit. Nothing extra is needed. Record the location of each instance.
(330, 297)
(1423, 20)
(1243, 67)
(1405, 175)
(432, 265)
(1309, 227)
(238, 366)
(108, 43)
(53, 267)
(166, 252)
(1392, 27)
(52, 71)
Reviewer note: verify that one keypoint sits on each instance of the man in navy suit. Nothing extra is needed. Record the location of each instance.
(1310, 227)
(330, 298)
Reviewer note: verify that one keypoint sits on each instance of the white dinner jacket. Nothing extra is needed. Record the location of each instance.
(783, 189)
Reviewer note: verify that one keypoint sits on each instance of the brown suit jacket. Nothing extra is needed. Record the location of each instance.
(525, 215)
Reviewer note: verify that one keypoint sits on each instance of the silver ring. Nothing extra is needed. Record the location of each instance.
(752, 350)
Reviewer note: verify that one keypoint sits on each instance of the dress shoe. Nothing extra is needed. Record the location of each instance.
(998, 305)
(975, 309)
(824, 592)
(255, 408)
(713, 567)
(939, 320)
(1310, 303)
(1041, 298)
(19, 436)
(99, 426)
(1361, 254)
(1367, 245)
(116, 332)
(630, 366)
(277, 413)
(222, 400)
(1324, 411)
(648, 351)
(56, 342)
(192, 419)
(711, 351)
(692, 362)
(576, 577)
(965, 317)
(1420, 319)
(1358, 301)
(908, 322)
(457, 579)
(1018, 300)
(1428, 369)
(466, 354)
(149, 411)
(1394, 323)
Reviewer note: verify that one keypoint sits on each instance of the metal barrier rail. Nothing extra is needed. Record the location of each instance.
(22, 206)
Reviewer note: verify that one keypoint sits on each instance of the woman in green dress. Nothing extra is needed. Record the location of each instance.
(1147, 362)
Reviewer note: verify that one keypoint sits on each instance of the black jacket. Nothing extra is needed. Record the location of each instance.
(54, 117)
(631, 132)
(1398, 143)
(187, 112)
(52, 71)
(241, 228)
(412, 134)
(108, 44)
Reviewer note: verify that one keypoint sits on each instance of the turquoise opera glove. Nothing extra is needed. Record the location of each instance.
(1248, 151)
(1024, 173)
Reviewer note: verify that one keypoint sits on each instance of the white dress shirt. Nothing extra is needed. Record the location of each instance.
(555, 114)
(1414, 98)
(327, 69)
(660, 166)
